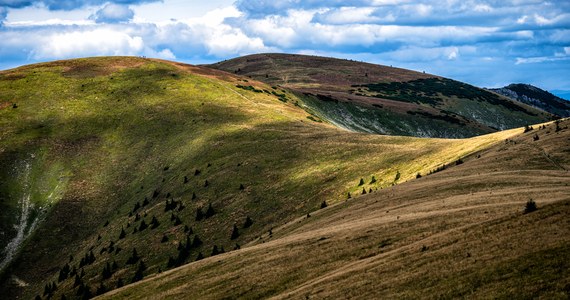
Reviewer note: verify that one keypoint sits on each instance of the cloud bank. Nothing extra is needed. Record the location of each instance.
(484, 42)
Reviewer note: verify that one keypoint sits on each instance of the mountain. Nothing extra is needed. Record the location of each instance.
(364, 97)
(460, 233)
(533, 96)
(110, 161)
(116, 169)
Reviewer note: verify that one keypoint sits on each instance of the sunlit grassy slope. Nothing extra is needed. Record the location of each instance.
(87, 140)
(460, 233)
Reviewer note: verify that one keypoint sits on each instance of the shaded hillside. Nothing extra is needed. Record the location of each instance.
(536, 97)
(371, 98)
(125, 167)
(460, 233)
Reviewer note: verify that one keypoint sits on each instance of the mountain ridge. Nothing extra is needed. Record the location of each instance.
(536, 97)
(364, 97)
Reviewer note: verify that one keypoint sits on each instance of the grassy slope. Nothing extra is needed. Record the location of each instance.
(106, 133)
(358, 97)
(455, 234)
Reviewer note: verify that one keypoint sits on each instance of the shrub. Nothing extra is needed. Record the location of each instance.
(530, 206)
(324, 204)
(361, 182)
(348, 196)
(397, 176)
(373, 180)
(418, 176)
(535, 137)
(363, 191)
(164, 239)
(527, 128)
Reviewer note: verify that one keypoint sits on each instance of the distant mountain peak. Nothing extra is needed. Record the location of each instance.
(536, 97)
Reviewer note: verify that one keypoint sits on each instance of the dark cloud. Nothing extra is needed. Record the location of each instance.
(67, 4)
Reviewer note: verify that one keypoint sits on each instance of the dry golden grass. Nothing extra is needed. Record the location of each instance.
(458, 233)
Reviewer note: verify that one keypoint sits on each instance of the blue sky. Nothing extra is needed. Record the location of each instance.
(487, 43)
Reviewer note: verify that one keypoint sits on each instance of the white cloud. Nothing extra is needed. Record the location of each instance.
(113, 13)
(453, 53)
(226, 41)
(522, 20)
(88, 43)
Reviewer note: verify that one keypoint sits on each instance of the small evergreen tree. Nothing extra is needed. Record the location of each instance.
(361, 182)
(200, 256)
(248, 222)
(193, 196)
(120, 283)
(530, 206)
(324, 204)
(143, 226)
(139, 273)
(215, 251)
(348, 196)
(206, 183)
(164, 239)
(241, 187)
(134, 257)
(154, 223)
(196, 242)
(210, 211)
(235, 233)
(100, 290)
(363, 191)
(373, 180)
(199, 214)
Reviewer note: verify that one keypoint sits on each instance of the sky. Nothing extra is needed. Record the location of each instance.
(487, 43)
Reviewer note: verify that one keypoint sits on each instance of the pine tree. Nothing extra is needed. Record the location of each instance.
(143, 226)
(134, 258)
(215, 251)
(210, 211)
(200, 256)
(248, 222)
(348, 196)
(154, 223)
(324, 204)
(361, 182)
(199, 214)
(363, 191)
(235, 233)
